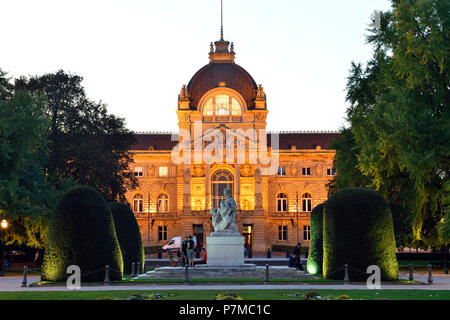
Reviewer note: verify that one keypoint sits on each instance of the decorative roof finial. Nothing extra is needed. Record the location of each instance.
(221, 20)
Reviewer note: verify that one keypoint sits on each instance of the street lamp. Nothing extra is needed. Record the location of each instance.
(4, 225)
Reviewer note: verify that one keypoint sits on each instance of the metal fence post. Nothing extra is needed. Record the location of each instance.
(107, 279)
(346, 277)
(24, 281)
(430, 274)
(266, 278)
(411, 272)
(133, 269)
(186, 274)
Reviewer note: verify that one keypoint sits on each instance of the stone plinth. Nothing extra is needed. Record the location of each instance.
(225, 250)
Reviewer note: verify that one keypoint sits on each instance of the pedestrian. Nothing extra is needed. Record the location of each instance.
(204, 257)
(184, 246)
(297, 250)
(190, 251)
(291, 260)
(179, 258)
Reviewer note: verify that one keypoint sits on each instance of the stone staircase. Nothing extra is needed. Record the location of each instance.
(246, 271)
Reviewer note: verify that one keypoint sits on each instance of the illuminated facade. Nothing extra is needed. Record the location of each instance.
(174, 199)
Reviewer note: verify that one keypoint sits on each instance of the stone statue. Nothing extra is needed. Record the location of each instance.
(224, 218)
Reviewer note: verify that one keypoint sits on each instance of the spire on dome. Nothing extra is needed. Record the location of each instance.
(220, 51)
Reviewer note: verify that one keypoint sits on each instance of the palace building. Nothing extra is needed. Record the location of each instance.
(175, 198)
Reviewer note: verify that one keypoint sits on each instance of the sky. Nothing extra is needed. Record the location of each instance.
(135, 55)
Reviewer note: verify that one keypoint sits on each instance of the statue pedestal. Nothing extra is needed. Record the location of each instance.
(225, 250)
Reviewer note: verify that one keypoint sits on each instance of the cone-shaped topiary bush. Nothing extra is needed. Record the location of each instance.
(82, 233)
(129, 236)
(358, 231)
(315, 255)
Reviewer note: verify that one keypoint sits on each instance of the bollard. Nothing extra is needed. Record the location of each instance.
(346, 277)
(430, 274)
(138, 271)
(186, 275)
(107, 280)
(266, 278)
(411, 272)
(133, 269)
(24, 281)
(269, 254)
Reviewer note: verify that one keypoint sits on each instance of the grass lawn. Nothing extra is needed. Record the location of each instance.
(245, 294)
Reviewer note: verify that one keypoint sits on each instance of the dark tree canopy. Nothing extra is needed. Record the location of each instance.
(86, 143)
(129, 236)
(82, 233)
(358, 231)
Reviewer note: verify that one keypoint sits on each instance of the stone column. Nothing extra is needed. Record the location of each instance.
(258, 189)
(237, 184)
(207, 188)
(187, 189)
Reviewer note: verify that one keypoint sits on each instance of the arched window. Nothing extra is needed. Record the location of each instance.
(281, 202)
(306, 202)
(220, 180)
(222, 105)
(138, 203)
(163, 203)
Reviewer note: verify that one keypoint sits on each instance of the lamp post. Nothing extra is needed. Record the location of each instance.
(148, 226)
(4, 225)
(297, 216)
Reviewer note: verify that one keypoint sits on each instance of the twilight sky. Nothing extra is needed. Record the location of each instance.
(135, 55)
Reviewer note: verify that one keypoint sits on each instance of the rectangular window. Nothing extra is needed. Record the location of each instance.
(162, 233)
(306, 171)
(306, 233)
(138, 172)
(163, 171)
(331, 171)
(282, 233)
(306, 205)
(281, 171)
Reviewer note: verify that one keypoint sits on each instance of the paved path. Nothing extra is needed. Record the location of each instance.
(10, 284)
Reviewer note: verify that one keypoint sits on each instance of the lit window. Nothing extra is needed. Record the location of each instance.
(222, 105)
(163, 203)
(306, 171)
(281, 171)
(162, 233)
(220, 180)
(236, 109)
(306, 202)
(138, 203)
(281, 202)
(331, 171)
(138, 172)
(306, 233)
(208, 109)
(282, 233)
(163, 171)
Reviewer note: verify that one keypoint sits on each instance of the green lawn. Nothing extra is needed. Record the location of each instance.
(245, 294)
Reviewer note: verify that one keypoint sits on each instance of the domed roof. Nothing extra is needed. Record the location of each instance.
(234, 77)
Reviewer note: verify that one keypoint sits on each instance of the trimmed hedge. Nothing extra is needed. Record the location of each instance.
(129, 236)
(315, 256)
(82, 233)
(358, 231)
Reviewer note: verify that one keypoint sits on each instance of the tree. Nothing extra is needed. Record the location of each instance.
(27, 193)
(399, 116)
(86, 143)
(82, 233)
